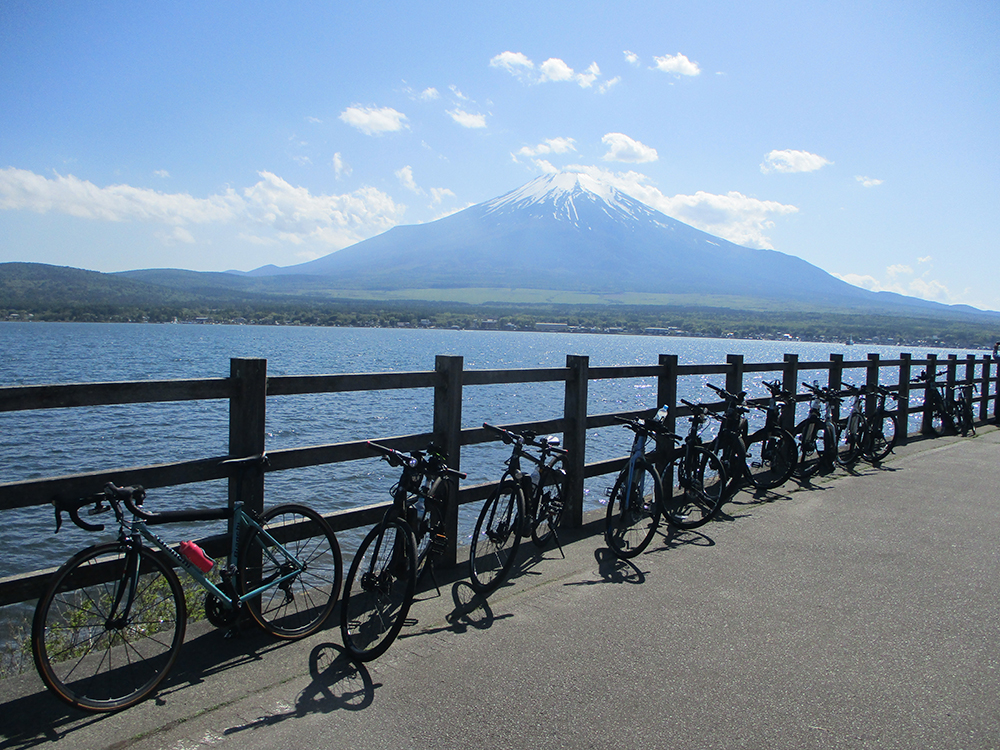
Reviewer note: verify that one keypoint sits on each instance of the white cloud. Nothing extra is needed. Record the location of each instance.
(161, 173)
(631, 58)
(292, 213)
(868, 181)
(21, 189)
(548, 146)
(623, 148)
(734, 216)
(790, 161)
(314, 120)
(405, 177)
(609, 84)
(430, 93)
(546, 166)
(515, 63)
(372, 121)
(439, 194)
(340, 167)
(677, 64)
(902, 279)
(467, 119)
(458, 94)
(925, 259)
(553, 69)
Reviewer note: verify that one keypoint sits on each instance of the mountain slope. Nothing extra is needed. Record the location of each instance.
(569, 232)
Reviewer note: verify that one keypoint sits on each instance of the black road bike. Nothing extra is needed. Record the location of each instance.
(383, 576)
(696, 477)
(772, 454)
(524, 503)
(951, 408)
(817, 433)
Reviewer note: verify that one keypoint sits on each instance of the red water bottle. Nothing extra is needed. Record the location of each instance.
(195, 555)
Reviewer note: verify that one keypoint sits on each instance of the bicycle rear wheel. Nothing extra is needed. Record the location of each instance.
(633, 510)
(849, 440)
(701, 480)
(882, 439)
(300, 605)
(496, 538)
(550, 508)
(109, 627)
(771, 458)
(379, 590)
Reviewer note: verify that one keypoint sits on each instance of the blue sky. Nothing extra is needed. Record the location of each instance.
(860, 136)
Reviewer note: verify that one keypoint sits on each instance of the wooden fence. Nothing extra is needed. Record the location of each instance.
(248, 388)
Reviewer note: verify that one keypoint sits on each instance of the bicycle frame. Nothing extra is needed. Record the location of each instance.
(136, 530)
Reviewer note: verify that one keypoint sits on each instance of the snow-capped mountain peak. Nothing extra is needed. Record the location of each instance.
(568, 195)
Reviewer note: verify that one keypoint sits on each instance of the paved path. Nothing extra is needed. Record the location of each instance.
(859, 613)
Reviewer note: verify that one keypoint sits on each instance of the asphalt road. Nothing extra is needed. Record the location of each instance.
(859, 612)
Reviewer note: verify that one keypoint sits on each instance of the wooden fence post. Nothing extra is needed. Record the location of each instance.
(903, 405)
(930, 370)
(790, 382)
(836, 379)
(984, 390)
(871, 381)
(734, 376)
(448, 437)
(666, 389)
(247, 408)
(666, 395)
(575, 436)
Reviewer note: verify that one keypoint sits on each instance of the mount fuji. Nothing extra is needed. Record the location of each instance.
(570, 232)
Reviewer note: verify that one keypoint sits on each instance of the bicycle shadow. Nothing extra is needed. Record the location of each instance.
(471, 610)
(37, 717)
(339, 683)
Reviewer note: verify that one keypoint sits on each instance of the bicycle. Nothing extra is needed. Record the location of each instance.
(948, 412)
(522, 504)
(771, 452)
(817, 433)
(849, 427)
(383, 576)
(879, 430)
(632, 516)
(111, 622)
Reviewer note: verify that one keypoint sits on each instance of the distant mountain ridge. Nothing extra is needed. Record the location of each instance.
(568, 231)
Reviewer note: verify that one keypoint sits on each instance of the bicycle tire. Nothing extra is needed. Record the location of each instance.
(702, 480)
(299, 606)
(633, 510)
(551, 503)
(379, 590)
(97, 662)
(812, 437)
(882, 438)
(849, 441)
(771, 458)
(497, 537)
(965, 417)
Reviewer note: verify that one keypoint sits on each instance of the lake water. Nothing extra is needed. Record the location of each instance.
(65, 441)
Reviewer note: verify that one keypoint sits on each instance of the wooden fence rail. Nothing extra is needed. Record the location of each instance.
(248, 388)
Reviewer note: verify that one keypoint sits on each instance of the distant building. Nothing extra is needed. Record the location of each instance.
(556, 327)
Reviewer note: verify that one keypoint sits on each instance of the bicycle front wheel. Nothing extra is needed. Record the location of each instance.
(633, 510)
(109, 627)
(496, 538)
(550, 508)
(883, 437)
(698, 490)
(300, 540)
(771, 459)
(379, 590)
